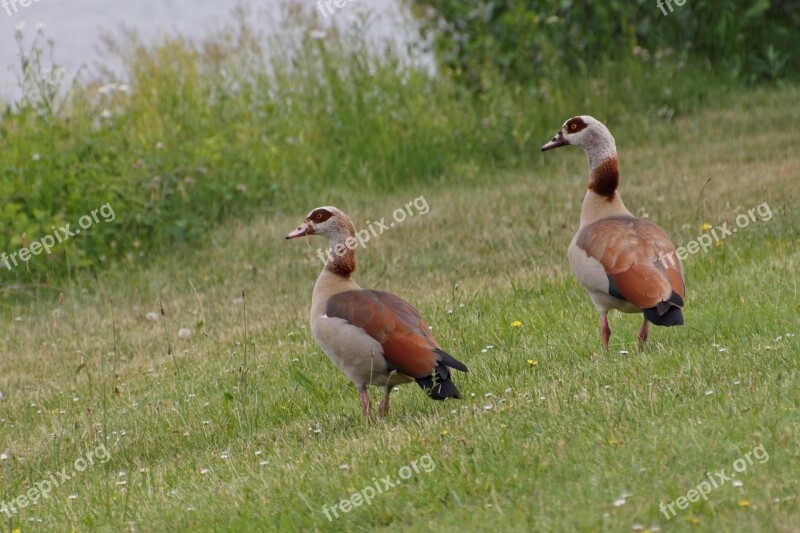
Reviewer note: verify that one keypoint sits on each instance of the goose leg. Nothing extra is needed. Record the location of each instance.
(366, 408)
(643, 334)
(383, 408)
(605, 331)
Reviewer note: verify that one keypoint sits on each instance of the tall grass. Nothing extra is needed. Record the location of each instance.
(199, 133)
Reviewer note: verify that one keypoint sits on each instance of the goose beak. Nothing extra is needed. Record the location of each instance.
(303, 229)
(557, 141)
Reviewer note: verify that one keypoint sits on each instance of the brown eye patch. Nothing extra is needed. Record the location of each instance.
(320, 215)
(576, 124)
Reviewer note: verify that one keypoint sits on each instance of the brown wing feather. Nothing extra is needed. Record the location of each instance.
(638, 256)
(406, 340)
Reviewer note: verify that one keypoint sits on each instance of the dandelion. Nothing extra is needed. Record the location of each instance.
(152, 316)
(516, 324)
(531, 362)
(693, 520)
(185, 333)
(445, 432)
(744, 503)
(706, 226)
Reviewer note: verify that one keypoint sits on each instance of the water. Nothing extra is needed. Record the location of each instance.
(76, 26)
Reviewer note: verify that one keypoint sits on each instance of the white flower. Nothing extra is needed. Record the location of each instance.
(152, 316)
(185, 333)
(105, 113)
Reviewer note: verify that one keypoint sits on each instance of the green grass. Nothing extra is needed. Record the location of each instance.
(222, 130)
(547, 446)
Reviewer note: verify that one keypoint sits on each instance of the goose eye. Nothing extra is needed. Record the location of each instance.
(319, 217)
(573, 127)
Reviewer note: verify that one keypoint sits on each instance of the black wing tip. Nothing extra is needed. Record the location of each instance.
(449, 360)
(440, 390)
(672, 317)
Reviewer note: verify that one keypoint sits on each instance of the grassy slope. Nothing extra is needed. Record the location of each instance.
(546, 447)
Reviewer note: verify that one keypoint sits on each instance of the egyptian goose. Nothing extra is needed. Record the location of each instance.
(374, 337)
(625, 263)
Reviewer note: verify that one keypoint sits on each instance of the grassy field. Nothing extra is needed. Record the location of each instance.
(240, 423)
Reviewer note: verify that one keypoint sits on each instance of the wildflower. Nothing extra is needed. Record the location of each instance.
(706, 226)
(532, 362)
(516, 324)
(744, 503)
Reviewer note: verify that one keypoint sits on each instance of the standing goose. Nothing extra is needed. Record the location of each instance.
(374, 337)
(625, 263)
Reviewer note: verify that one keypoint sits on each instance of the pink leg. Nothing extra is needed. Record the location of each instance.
(383, 408)
(643, 334)
(364, 397)
(605, 331)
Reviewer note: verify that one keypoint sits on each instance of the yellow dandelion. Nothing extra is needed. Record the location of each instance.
(532, 362)
(516, 324)
(445, 432)
(744, 503)
(693, 520)
(706, 225)
(719, 243)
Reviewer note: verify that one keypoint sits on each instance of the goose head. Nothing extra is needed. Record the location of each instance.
(582, 130)
(327, 222)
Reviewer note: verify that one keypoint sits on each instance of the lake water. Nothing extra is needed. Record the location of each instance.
(76, 25)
